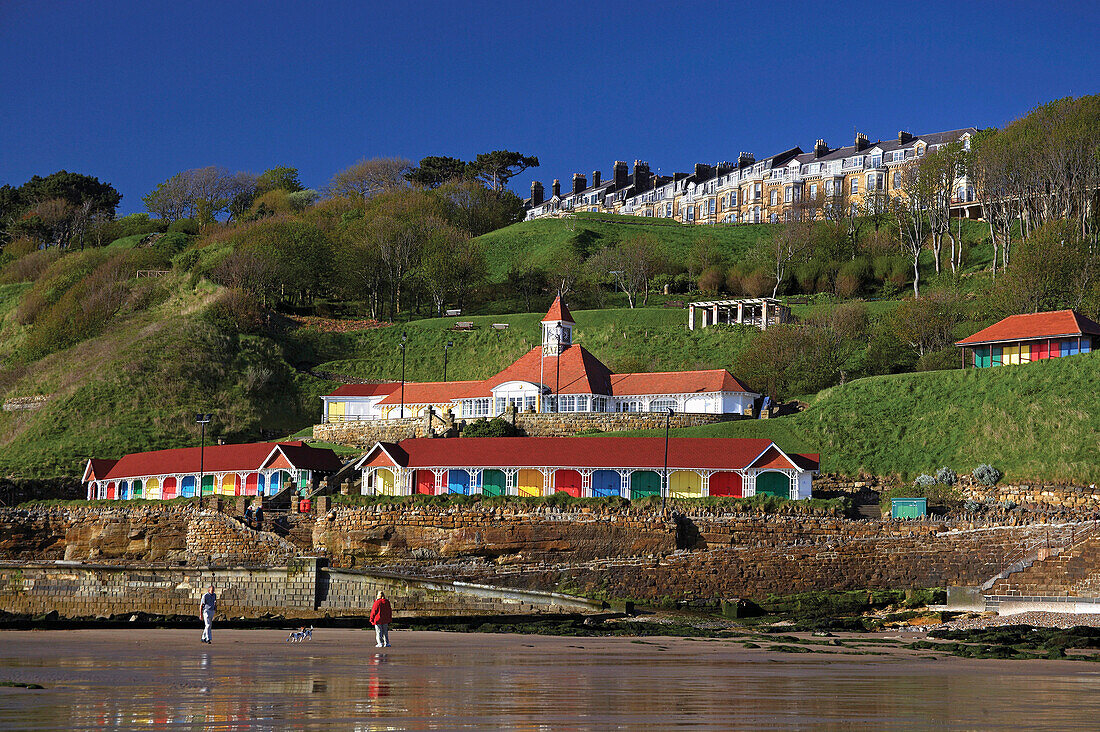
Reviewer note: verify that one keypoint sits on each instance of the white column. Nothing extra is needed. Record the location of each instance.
(586, 483)
(740, 312)
(548, 480)
(475, 480)
(704, 490)
(624, 483)
(691, 317)
(440, 474)
(510, 476)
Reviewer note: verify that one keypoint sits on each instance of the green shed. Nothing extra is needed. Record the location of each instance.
(908, 508)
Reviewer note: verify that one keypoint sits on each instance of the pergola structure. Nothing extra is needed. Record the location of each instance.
(759, 312)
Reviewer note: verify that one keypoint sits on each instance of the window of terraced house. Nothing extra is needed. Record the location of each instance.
(813, 190)
(733, 198)
(897, 179)
(711, 205)
(855, 186)
(756, 192)
(788, 194)
(774, 199)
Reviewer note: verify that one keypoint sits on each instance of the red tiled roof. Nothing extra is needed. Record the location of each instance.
(590, 452)
(97, 468)
(366, 390)
(581, 372)
(1034, 325)
(558, 311)
(676, 382)
(435, 392)
(219, 459)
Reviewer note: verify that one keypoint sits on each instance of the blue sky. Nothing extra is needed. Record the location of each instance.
(135, 92)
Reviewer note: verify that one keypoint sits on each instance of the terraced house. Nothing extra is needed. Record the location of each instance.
(780, 187)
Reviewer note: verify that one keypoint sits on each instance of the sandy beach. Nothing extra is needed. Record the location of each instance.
(437, 680)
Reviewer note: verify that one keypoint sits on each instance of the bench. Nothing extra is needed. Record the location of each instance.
(500, 326)
(463, 325)
(453, 313)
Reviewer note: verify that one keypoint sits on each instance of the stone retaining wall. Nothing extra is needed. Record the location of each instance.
(304, 588)
(365, 433)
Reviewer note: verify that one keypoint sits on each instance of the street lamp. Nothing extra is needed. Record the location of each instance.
(445, 349)
(557, 378)
(664, 473)
(202, 420)
(404, 340)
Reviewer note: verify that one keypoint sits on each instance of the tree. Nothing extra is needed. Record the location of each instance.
(369, 177)
(943, 168)
(1055, 268)
(500, 166)
(449, 263)
(790, 244)
(632, 263)
(56, 209)
(786, 360)
(927, 324)
(281, 177)
(435, 170)
(200, 193)
(918, 188)
(478, 210)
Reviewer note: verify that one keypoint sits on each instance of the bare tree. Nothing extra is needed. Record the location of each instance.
(790, 244)
(909, 207)
(632, 263)
(369, 177)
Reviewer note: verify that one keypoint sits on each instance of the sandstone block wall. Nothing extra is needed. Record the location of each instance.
(364, 434)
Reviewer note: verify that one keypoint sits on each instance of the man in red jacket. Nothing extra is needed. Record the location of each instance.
(380, 617)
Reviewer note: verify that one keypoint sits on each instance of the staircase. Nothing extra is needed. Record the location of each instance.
(1062, 578)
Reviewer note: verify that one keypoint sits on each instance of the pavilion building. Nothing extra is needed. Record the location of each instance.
(558, 376)
(1031, 337)
(630, 467)
(256, 469)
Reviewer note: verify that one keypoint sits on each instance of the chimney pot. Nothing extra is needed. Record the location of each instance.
(556, 188)
(595, 178)
(861, 141)
(579, 182)
(904, 137)
(536, 193)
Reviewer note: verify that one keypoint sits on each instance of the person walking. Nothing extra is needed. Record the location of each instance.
(380, 617)
(248, 516)
(258, 517)
(207, 607)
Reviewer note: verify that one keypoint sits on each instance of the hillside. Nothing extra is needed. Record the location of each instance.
(538, 242)
(1034, 422)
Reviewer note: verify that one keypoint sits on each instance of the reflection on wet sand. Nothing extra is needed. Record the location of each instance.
(251, 680)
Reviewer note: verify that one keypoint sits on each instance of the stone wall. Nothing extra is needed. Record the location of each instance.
(364, 434)
(753, 557)
(304, 588)
(1037, 496)
(126, 533)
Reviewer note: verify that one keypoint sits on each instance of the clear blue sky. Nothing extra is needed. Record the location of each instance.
(133, 92)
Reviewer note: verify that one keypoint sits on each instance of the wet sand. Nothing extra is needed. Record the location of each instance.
(433, 680)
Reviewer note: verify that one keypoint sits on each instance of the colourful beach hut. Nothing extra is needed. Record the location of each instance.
(1032, 337)
(630, 467)
(254, 469)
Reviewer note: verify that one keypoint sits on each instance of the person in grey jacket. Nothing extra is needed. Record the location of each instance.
(207, 607)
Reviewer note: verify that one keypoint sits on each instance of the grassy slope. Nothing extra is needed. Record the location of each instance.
(644, 339)
(130, 389)
(538, 242)
(1034, 422)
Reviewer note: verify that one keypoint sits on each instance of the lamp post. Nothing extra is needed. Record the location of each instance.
(202, 420)
(404, 340)
(557, 378)
(445, 349)
(664, 472)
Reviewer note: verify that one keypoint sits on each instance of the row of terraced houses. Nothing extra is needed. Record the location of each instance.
(751, 191)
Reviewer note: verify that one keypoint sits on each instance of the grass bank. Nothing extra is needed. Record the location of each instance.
(1034, 422)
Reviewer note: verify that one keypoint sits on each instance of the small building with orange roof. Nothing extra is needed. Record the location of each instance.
(558, 376)
(1030, 337)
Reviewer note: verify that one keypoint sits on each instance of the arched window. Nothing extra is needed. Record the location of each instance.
(662, 405)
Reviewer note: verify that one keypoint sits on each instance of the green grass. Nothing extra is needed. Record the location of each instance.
(1034, 422)
(627, 340)
(542, 241)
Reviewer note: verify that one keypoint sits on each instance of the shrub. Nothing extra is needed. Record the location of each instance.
(185, 226)
(924, 480)
(711, 280)
(237, 311)
(852, 276)
(987, 475)
(21, 246)
(490, 428)
(946, 476)
(30, 267)
(140, 223)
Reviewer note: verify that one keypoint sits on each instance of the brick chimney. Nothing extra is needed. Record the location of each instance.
(621, 173)
(595, 178)
(820, 148)
(862, 143)
(904, 137)
(643, 179)
(536, 193)
(745, 159)
(702, 170)
(556, 188)
(579, 182)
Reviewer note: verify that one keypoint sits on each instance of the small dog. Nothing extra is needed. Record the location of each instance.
(302, 634)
